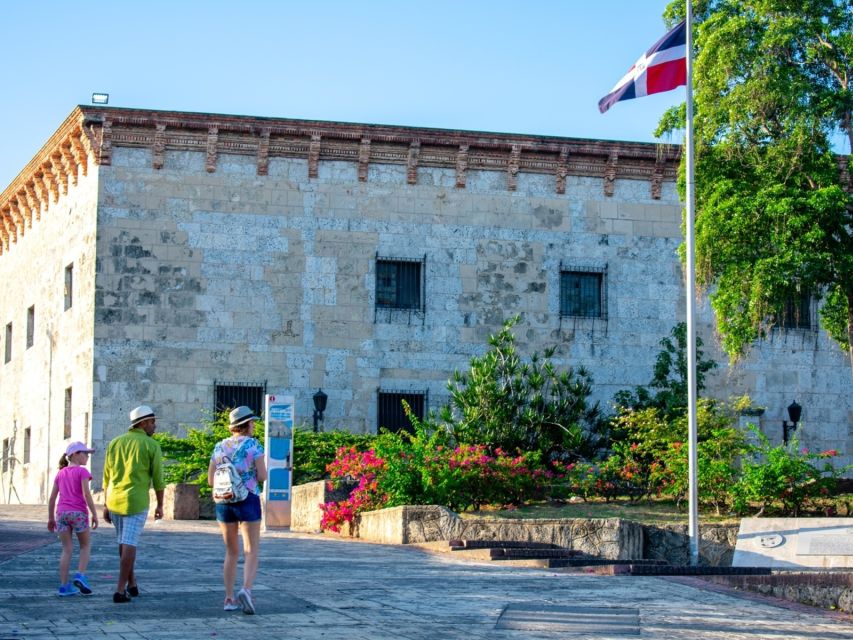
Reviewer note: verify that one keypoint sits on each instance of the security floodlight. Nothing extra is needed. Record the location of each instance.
(100, 98)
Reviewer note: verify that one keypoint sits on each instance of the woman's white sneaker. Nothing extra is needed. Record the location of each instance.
(244, 597)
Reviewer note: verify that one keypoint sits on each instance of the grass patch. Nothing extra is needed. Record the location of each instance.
(655, 512)
(644, 512)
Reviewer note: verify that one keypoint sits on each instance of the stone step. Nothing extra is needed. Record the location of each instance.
(532, 553)
(681, 570)
(499, 544)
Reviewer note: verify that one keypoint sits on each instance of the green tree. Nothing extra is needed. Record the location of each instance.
(503, 401)
(774, 213)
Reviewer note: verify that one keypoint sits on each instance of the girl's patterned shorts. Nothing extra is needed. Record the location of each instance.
(75, 521)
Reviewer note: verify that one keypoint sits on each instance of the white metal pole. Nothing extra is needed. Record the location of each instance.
(691, 308)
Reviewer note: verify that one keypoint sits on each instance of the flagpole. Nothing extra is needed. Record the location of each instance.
(693, 523)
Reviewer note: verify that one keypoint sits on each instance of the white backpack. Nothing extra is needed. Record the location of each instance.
(228, 485)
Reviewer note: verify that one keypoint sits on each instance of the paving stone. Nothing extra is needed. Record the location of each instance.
(317, 588)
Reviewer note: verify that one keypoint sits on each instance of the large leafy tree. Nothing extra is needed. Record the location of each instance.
(774, 213)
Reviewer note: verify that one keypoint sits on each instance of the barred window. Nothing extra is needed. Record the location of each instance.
(796, 312)
(8, 352)
(28, 436)
(229, 395)
(7, 452)
(398, 284)
(582, 294)
(390, 413)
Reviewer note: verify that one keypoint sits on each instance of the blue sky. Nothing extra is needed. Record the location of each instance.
(538, 66)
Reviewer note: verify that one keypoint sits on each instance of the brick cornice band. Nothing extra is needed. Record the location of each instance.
(89, 135)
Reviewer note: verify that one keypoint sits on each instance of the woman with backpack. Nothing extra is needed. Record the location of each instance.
(235, 472)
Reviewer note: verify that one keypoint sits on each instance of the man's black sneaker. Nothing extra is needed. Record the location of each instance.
(132, 591)
(121, 597)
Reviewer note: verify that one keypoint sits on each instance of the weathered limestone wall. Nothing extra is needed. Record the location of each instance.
(228, 275)
(33, 383)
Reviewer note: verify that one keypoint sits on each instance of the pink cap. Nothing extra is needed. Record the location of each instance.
(77, 447)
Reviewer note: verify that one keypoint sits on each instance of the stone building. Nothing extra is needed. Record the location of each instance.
(186, 260)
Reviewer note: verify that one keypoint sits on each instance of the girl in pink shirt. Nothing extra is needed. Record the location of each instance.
(72, 515)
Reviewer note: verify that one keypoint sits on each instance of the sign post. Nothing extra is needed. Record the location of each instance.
(279, 417)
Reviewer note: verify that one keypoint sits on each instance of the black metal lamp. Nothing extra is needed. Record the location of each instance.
(794, 413)
(320, 399)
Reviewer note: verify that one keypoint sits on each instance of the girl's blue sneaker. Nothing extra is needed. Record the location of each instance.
(67, 590)
(82, 583)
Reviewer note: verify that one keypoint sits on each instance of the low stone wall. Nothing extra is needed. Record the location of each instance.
(305, 514)
(672, 544)
(612, 538)
(828, 590)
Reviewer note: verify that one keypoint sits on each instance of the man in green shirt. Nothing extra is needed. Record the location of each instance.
(133, 464)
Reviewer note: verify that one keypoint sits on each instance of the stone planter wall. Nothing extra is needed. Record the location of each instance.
(672, 544)
(305, 514)
(612, 538)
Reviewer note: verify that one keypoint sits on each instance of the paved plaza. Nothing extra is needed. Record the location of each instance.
(314, 587)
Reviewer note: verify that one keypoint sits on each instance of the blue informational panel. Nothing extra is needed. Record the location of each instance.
(279, 412)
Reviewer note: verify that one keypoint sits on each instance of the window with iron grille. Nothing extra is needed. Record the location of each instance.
(69, 286)
(390, 414)
(398, 284)
(66, 420)
(582, 294)
(796, 313)
(31, 326)
(229, 395)
(8, 353)
(7, 452)
(28, 434)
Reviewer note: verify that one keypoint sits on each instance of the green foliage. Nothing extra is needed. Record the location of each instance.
(504, 402)
(785, 477)
(313, 452)
(669, 380)
(652, 459)
(187, 459)
(773, 221)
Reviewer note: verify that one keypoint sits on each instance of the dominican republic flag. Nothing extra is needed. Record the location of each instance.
(661, 68)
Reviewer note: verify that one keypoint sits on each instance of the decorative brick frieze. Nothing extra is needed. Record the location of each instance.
(212, 141)
(610, 173)
(32, 200)
(562, 170)
(18, 216)
(38, 195)
(158, 150)
(5, 231)
(89, 134)
(512, 168)
(61, 170)
(313, 156)
(461, 165)
(52, 171)
(70, 161)
(81, 151)
(105, 144)
(412, 162)
(363, 159)
(657, 180)
(264, 152)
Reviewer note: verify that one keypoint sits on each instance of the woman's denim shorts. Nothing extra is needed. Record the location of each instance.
(248, 510)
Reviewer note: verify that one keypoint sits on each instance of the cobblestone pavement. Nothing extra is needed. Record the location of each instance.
(317, 588)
